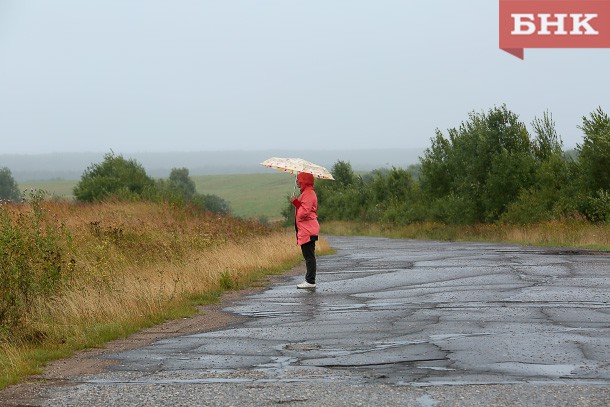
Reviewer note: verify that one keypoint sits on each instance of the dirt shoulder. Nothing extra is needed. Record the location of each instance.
(58, 373)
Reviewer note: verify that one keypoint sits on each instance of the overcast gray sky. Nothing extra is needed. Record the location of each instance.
(191, 75)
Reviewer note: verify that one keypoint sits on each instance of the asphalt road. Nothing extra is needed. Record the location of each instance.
(392, 322)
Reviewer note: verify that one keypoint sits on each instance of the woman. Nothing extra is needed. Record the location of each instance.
(307, 226)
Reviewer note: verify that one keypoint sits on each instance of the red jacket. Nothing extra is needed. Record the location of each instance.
(306, 216)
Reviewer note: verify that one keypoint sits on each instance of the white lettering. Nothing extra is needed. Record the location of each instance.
(545, 23)
(577, 24)
(525, 24)
(529, 26)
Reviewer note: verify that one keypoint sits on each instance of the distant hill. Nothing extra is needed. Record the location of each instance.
(69, 166)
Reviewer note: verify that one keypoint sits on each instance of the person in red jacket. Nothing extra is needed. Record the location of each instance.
(307, 226)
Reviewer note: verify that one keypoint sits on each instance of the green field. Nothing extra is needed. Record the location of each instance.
(250, 195)
(57, 188)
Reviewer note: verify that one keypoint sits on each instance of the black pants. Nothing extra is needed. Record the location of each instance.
(309, 253)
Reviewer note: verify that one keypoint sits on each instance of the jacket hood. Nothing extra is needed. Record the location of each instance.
(305, 180)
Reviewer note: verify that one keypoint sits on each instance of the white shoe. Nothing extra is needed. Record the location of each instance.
(306, 285)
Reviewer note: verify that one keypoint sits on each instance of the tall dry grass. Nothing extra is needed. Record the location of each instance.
(144, 292)
(130, 265)
(566, 233)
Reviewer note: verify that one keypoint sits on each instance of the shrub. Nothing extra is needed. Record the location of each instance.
(179, 185)
(597, 207)
(453, 209)
(530, 207)
(32, 252)
(114, 176)
(180, 189)
(8, 187)
(212, 203)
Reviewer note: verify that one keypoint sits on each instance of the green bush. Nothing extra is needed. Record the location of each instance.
(553, 195)
(212, 203)
(508, 175)
(530, 207)
(597, 207)
(345, 198)
(180, 189)
(453, 209)
(32, 252)
(179, 186)
(114, 177)
(401, 213)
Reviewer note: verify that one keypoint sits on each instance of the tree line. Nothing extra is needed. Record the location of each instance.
(488, 169)
(118, 178)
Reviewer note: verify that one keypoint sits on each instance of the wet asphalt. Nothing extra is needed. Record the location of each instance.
(392, 322)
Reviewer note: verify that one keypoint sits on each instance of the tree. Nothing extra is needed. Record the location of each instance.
(343, 174)
(8, 187)
(344, 198)
(114, 176)
(481, 166)
(594, 153)
(179, 186)
(435, 176)
(212, 203)
(180, 181)
(547, 142)
(395, 184)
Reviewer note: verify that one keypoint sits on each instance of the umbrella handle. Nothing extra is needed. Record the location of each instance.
(294, 193)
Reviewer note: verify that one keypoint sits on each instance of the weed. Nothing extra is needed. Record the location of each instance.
(226, 281)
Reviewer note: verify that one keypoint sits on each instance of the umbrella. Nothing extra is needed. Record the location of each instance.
(296, 165)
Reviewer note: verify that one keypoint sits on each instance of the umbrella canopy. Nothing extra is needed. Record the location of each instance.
(296, 165)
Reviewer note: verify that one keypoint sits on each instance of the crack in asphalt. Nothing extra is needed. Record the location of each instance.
(394, 362)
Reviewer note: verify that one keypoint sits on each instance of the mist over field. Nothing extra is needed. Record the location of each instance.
(70, 166)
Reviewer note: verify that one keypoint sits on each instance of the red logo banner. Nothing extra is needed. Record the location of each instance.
(553, 24)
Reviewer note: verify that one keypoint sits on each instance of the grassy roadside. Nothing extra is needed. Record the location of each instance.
(128, 266)
(569, 233)
(87, 318)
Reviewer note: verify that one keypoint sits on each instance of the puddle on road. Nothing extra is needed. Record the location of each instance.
(437, 368)
(427, 401)
(277, 364)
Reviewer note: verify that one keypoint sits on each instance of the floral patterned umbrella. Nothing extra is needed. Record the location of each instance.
(296, 165)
